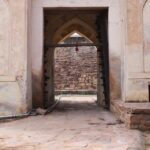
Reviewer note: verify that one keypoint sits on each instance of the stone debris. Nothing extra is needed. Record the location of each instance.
(41, 111)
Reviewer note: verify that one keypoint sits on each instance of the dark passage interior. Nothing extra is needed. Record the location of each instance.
(81, 37)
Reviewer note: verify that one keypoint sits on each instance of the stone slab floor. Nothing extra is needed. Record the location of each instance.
(76, 124)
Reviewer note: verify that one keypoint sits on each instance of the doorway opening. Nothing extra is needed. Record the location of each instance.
(76, 56)
(75, 70)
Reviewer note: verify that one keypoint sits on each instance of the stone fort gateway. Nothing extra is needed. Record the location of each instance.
(112, 60)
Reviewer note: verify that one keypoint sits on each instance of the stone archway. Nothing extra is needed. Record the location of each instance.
(39, 7)
(61, 31)
(72, 25)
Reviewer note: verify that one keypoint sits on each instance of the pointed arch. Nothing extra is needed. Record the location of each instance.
(68, 35)
(74, 25)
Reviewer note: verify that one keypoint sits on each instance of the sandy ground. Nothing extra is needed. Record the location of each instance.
(76, 124)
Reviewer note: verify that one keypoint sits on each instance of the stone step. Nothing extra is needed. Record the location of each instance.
(134, 115)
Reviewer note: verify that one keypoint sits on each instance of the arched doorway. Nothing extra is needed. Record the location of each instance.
(75, 69)
(75, 64)
(93, 26)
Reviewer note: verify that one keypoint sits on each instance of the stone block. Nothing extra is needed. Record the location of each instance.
(131, 119)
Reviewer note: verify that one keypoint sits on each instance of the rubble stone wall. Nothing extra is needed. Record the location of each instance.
(76, 70)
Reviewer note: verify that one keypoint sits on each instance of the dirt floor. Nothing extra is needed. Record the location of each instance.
(76, 124)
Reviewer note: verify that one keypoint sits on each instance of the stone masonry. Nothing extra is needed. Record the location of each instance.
(76, 70)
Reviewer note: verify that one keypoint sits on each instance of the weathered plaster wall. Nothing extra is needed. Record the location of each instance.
(13, 57)
(146, 27)
(4, 37)
(138, 51)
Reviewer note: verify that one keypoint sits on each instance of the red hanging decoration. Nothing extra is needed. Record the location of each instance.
(77, 48)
